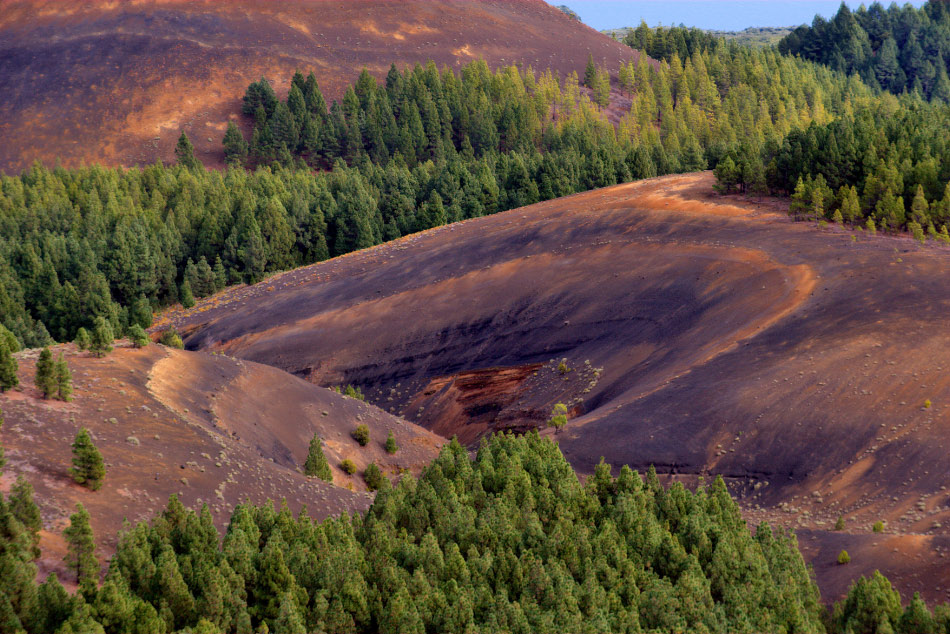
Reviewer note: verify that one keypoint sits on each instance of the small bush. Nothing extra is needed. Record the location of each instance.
(353, 392)
(878, 527)
(171, 338)
(839, 525)
(927, 404)
(361, 435)
(348, 467)
(373, 477)
(562, 368)
(844, 557)
(138, 337)
(391, 446)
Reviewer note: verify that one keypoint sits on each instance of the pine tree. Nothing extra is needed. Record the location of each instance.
(83, 341)
(88, 467)
(102, 337)
(63, 379)
(391, 446)
(45, 374)
(590, 72)
(25, 510)
(185, 153)
(138, 336)
(8, 367)
(316, 464)
(235, 147)
(141, 313)
(187, 298)
(81, 549)
(373, 476)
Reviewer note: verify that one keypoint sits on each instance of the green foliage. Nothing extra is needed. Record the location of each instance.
(374, 477)
(353, 392)
(45, 380)
(839, 523)
(88, 467)
(878, 527)
(185, 153)
(83, 341)
(141, 313)
(102, 337)
(187, 298)
(63, 379)
(391, 446)
(844, 557)
(138, 336)
(872, 605)
(25, 510)
(171, 338)
(361, 434)
(235, 147)
(507, 541)
(81, 547)
(899, 49)
(348, 466)
(8, 367)
(316, 463)
(558, 417)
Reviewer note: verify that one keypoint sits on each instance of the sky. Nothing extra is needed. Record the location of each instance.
(724, 15)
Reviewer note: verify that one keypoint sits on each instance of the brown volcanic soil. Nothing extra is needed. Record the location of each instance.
(703, 335)
(214, 430)
(116, 82)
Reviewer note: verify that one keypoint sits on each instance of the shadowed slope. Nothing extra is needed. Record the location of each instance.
(116, 82)
(706, 336)
(214, 430)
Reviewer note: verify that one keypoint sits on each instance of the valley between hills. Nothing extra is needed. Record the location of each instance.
(703, 335)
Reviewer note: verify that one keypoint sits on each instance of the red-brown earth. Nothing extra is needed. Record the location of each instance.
(117, 82)
(211, 429)
(700, 334)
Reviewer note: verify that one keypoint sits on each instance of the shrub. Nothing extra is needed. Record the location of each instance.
(562, 368)
(137, 336)
(316, 464)
(927, 404)
(354, 392)
(373, 476)
(348, 467)
(391, 446)
(171, 338)
(83, 340)
(839, 525)
(558, 417)
(878, 527)
(361, 435)
(844, 557)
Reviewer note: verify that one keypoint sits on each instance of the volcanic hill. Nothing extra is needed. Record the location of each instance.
(700, 334)
(116, 82)
(212, 429)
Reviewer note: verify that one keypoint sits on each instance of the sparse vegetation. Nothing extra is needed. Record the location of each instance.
(102, 337)
(348, 466)
(45, 379)
(316, 464)
(878, 527)
(844, 557)
(558, 417)
(171, 338)
(88, 466)
(839, 524)
(391, 446)
(374, 478)
(83, 341)
(63, 379)
(8, 367)
(138, 336)
(81, 546)
(927, 404)
(361, 434)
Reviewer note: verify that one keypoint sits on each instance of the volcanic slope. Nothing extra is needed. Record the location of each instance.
(700, 334)
(116, 82)
(213, 430)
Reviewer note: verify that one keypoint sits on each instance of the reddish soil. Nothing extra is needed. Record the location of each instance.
(700, 334)
(212, 429)
(116, 82)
